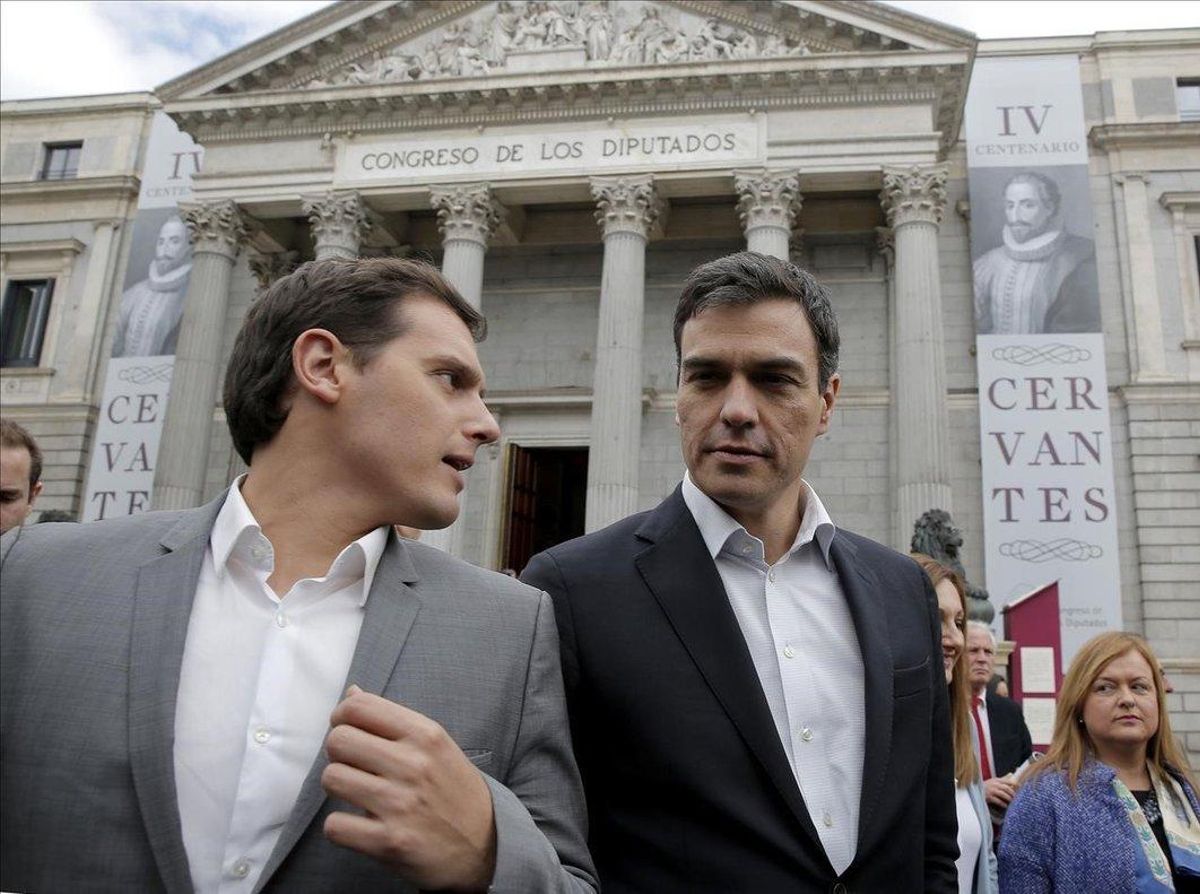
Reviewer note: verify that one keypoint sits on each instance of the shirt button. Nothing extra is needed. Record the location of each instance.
(827, 819)
(281, 619)
(241, 869)
(771, 576)
(747, 549)
(806, 734)
(789, 652)
(262, 736)
(259, 552)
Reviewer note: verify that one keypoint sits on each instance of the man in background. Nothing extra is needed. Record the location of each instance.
(20, 474)
(1000, 730)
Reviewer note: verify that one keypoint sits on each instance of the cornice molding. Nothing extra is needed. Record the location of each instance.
(123, 186)
(759, 85)
(1156, 135)
(42, 246)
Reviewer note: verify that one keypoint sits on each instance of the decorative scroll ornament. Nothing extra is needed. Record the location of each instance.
(914, 194)
(603, 32)
(627, 205)
(467, 211)
(268, 267)
(338, 219)
(214, 226)
(767, 198)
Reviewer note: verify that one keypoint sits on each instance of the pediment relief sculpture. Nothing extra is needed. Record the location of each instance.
(599, 31)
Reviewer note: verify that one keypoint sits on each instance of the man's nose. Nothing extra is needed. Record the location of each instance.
(483, 428)
(738, 409)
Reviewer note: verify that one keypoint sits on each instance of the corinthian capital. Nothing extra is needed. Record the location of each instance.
(914, 194)
(767, 198)
(215, 226)
(466, 211)
(339, 222)
(628, 205)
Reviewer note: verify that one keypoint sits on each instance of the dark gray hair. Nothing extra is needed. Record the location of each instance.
(360, 301)
(747, 278)
(1047, 189)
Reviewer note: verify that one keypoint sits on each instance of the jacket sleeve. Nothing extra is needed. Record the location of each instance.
(1027, 845)
(541, 821)
(941, 814)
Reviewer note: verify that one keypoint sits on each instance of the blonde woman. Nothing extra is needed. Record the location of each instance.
(1113, 805)
(976, 862)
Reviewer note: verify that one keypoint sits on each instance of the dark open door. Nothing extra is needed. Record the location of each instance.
(546, 499)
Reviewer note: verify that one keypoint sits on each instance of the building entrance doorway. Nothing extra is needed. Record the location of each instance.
(547, 492)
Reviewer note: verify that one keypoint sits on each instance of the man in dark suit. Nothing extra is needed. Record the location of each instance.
(1002, 738)
(274, 691)
(756, 697)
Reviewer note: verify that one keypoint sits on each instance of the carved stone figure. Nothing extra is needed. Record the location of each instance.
(501, 31)
(710, 42)
(596, 24)
(936, 535)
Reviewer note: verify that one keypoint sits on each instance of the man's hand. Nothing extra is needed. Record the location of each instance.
(999, 791)
(428, 811)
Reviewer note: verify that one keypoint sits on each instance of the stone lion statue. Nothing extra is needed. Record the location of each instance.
(936, 535)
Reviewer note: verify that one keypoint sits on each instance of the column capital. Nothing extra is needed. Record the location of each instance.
(466, 211)
(339, 221)
(914, 194)
(216, 226)
(767, 198)
(628, 205)
(270, 266)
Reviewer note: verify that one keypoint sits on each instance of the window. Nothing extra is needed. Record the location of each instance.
(23, 321)
(1187, 95)
(61, 161)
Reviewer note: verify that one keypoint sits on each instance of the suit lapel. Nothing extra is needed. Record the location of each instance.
(864, 594)
(683, 578)
(162, 606)
(391, 611)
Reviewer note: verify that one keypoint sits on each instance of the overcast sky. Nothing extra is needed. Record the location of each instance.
(77, 47)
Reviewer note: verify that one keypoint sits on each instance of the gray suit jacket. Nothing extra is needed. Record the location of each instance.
(93, 620)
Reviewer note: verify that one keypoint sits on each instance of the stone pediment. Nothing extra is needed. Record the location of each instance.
(405, 41)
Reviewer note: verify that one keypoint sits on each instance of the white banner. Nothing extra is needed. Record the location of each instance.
(608, 149)
(1046, 446)
(149, 314)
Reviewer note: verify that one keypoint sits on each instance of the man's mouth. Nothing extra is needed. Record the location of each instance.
(737, 453)
(458, 463)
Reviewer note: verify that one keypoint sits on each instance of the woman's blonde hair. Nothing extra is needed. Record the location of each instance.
(1072, 745)
(966, 767)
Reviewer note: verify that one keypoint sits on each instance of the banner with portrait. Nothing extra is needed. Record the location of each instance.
(149, 313)
(1045, 434)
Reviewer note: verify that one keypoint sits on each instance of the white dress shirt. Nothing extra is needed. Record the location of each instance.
(260, 676)
(801, 637)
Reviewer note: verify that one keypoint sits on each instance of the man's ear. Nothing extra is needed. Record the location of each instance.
(33, 493)
(319, 363)
(828, 399)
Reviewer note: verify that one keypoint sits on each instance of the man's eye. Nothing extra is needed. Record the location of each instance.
(450, 378)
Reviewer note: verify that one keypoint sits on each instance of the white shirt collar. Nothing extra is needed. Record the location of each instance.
(236, 532)
(717, 526)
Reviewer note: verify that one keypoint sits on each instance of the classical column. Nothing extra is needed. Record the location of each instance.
(468, 215)
(1145, 316)
(339, 223)
(914, 198)
(217, 233)
(768, 202)
(885, 246)
(627, 210)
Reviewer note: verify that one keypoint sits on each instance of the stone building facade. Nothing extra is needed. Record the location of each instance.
(567, 164)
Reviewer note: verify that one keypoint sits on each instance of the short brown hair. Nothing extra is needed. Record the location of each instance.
(15, 435)
(358, 300)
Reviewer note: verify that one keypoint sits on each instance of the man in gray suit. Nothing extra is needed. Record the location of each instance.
(273, 691)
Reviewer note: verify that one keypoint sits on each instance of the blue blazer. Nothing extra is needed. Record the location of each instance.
(1056, 840)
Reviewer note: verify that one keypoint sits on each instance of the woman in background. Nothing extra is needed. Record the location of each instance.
(1112, 807)
(976, 863)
